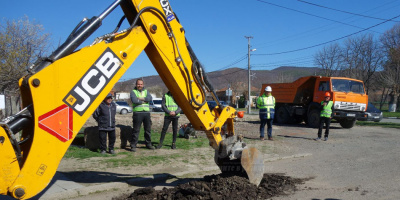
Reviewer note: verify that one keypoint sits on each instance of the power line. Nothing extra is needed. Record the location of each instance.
(233, 63)
(219, 75)
(313, 4)
(291, 9)
(291, 51)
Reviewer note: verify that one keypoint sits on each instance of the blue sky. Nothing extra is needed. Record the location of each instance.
(216, 29)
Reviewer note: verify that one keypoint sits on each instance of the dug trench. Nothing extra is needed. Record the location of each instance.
(221, 186)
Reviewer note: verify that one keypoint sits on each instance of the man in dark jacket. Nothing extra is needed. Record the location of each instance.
(172, 113)
(105, 117)
(141, 114)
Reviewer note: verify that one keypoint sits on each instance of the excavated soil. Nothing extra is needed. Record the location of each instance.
(220, 187)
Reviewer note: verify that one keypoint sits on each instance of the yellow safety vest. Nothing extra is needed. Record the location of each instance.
(171, 104)
(140, 107)
(326, 110)
(266, 106)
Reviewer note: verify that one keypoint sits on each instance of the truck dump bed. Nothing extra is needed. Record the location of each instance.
(298, 92)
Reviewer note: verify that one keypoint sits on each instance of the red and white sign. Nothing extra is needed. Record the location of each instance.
(58, 122)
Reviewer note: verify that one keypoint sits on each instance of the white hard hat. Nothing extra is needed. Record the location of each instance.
(268, 89)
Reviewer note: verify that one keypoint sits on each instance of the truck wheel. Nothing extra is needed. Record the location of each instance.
(282, 115)
(313, 118)
(347, 123)
(124, 111)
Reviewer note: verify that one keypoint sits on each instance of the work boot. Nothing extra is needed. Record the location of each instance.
(133, 149)
(173, 146)
(159, 146)
(270, 138)
(326, 139)
(262, 138)
(317, 139)
(103, 151)
(112, 151)
(150, 146)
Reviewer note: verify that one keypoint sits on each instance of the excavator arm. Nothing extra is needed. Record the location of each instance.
(61, 92)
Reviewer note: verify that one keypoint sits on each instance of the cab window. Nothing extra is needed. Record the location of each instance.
(323, 86)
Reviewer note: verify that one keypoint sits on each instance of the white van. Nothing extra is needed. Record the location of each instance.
(156, 105)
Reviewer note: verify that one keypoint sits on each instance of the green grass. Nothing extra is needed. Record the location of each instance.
(391, 114)
(142, 158)
(382, 124)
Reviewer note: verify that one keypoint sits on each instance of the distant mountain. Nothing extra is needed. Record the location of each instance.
(235, 77)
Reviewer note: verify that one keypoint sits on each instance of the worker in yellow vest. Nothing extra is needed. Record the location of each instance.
(266, 104)
(172, 113)
(141, 114)
(325, 116)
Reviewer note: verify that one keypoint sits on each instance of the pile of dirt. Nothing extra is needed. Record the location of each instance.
(220, 187)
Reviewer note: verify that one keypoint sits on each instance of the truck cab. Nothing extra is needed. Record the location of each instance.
(348, 96)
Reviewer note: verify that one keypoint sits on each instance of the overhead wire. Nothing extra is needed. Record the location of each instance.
(233, 63)
(351, 13)
(320, 44)
(289, 62)
(309, 32)
(291, 9)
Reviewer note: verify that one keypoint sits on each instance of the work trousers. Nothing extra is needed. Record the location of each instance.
(327, 122)
(167, 121)
(138, 118)
(269, 129)
(103, 139)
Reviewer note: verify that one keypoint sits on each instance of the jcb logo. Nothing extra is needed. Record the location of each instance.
(93, 82)
(167, 10)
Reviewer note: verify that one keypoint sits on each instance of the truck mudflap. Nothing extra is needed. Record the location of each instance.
(339, 114)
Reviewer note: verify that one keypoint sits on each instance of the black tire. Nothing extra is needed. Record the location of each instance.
(347, 123)
(282, 115)
(313, 118)
(124, 111)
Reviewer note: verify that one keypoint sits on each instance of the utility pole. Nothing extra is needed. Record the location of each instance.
(248, 62)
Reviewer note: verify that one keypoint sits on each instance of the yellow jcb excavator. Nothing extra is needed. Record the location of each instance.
(60, 92)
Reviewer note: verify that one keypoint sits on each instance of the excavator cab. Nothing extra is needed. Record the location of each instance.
(61, 91)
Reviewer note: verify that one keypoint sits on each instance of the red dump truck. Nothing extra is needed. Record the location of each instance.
(299, 101)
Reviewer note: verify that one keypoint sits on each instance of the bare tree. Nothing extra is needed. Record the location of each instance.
(328, 59)
(390, 77)
(361, 58)
(283, 77)
(21, 43)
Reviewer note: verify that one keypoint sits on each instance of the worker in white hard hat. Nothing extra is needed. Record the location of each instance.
(266, 104)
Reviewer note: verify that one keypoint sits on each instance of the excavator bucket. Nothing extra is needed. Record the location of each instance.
(235, 158)
(253, 164)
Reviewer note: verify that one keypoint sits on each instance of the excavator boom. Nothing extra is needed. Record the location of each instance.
(62, 91)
